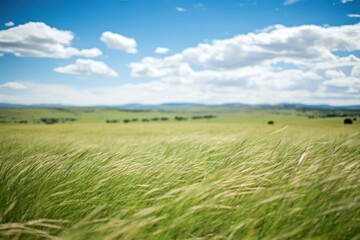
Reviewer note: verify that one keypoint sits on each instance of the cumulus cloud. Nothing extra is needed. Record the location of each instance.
(306, 45)
(344, 77)
(271, 28)
(90, 53)
(355, 72)
(173, 70)
(273, 65)
(9, 24)
(345, 1)
(87, 67)
(353, 84)
(13, 85)
(335, 74)
(118, 41)
(36, 39)
(160, 67)
(354, 15)
(180, 9)
(337, 62)
(161, 50)
(278, 59)
(286, 44)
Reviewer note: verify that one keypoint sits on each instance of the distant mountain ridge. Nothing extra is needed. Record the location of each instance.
(188, 105)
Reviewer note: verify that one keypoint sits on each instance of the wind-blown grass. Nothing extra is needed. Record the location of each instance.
(179, 181)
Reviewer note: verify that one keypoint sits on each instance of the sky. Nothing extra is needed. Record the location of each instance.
(114, 52)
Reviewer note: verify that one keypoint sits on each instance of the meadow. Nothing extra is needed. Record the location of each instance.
(229, 177)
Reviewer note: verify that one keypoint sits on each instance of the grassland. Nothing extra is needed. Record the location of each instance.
(231, 177)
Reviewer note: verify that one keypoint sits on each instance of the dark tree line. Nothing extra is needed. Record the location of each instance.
(156, 119)
(56, 120)
(203, 117)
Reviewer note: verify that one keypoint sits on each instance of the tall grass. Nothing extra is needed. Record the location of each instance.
(179, 181)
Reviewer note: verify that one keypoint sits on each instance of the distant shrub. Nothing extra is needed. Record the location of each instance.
(145, 120)
(348, 121)
(49, 120)
(164, 119)
(69, 119)
(112, 121)
(197, 117)
(126, 120)
(270, 122)
(56, 120)
(177, 118)
(155, 119)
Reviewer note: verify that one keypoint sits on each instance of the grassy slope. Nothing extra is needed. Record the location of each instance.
(232, 177)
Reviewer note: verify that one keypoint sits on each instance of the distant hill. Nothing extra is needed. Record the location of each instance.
(138, 106)
(15, 105)
(163, 105)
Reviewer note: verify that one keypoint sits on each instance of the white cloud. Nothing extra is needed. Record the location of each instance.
(306, 45)
(87, 67)
(286, 43)
(337, 62)
(271, 28)
(354, 15)
(289, 2)
(273, 65)
(52, 94)
(9, 24)
(157, 67)
(277, 63)
(36, 39)
(347, 82)
(173, 70)
(355, 72)
(334, 74)
(118, 41)
(338, 79)
(161, 50)
(345, 1)
(90, 53)
(181, 9)
(160, 91)
(13, 85)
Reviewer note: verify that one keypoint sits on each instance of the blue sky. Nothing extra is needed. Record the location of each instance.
(250, 51)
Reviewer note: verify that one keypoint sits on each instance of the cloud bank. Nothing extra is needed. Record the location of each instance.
(13, 85)
(296, 63)
(308, 64)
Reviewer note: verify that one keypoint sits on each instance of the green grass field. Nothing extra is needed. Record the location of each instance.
(231, 177)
